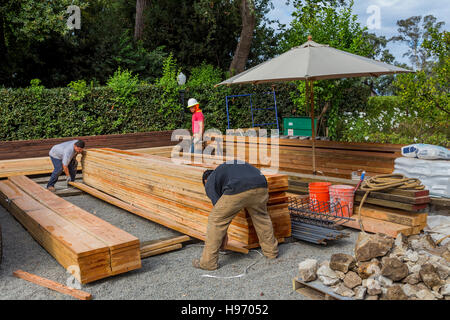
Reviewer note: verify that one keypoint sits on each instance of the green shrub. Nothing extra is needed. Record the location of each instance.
(124, 85)
(101, 111)
(80, 90)
(387, 121)
(205, 75)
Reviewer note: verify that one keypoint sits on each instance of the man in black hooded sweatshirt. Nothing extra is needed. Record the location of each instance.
(231, 188)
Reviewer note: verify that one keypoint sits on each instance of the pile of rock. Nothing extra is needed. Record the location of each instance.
(405, 268)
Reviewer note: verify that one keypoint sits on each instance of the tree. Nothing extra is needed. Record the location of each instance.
(333, 23)
(25, 25)
(245, 40)
(141, 6)
(413, 34)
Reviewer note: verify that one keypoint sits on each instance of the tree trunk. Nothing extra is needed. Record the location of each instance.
(245, 41)
(2, 40)
(141, 5)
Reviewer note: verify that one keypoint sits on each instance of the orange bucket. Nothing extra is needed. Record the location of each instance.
(344, 194)
(319, 193)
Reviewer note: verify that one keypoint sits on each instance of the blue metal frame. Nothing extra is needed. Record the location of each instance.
(251, 108)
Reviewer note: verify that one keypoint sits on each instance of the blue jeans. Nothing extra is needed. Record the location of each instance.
(58, 169)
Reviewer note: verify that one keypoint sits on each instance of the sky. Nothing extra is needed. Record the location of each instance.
(389, 12)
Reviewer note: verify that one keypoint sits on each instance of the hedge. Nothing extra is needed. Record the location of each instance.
(36, 113)
(29, 114)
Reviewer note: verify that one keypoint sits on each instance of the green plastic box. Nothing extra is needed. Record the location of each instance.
(298, 126)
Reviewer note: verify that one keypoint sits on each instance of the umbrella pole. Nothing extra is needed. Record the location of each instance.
(313, 127)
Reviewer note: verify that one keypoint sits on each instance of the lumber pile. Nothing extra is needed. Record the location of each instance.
(407, 200)
(334, 159)
(390, 222)
(43, 165)
(21, 149)
(84, 244)
(173, 194)
(389, 211)
(29, 166)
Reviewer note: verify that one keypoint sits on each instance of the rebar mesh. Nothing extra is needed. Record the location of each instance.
(321, 213)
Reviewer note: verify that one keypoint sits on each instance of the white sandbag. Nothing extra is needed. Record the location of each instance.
(439, 227)
(409, 151)
(434, 174)
(426, 151)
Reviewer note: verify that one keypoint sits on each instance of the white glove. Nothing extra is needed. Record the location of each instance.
(68, 179)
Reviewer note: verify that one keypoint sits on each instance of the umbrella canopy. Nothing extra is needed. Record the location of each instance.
(313, 61)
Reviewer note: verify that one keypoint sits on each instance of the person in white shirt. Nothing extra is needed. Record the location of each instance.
(63, 157)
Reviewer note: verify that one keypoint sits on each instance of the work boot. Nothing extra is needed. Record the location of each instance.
(52, 189)
(196, 264)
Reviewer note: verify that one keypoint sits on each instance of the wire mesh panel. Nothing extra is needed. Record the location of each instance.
(321, 213)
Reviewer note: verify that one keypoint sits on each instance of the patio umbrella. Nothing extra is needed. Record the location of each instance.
(313, 61)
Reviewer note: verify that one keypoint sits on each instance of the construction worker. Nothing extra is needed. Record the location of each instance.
(63, 157)
(198, 125)
(231, 188)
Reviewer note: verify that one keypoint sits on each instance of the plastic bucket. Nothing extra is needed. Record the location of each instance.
(344, 195)
(319, 195)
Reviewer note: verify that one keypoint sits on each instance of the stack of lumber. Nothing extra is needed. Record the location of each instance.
(334, 159)
(173, 194)
(43, 165)
(21, 149)
(77, 239)
(29, 166)
(391, 222)
(408, 200)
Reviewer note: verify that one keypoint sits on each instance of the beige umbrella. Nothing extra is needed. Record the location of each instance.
(313, 61)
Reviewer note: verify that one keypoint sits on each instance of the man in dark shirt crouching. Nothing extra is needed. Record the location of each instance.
(231, 188)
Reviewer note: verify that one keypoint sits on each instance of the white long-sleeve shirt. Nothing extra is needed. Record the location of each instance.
(63, 151)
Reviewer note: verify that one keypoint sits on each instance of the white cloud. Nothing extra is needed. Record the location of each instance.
(391, 11)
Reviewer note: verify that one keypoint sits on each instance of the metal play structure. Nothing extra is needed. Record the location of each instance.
(253, 108)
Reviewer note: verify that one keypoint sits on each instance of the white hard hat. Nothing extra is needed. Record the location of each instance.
(192, 102)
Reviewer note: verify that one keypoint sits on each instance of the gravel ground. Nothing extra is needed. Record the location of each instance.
(162, 277)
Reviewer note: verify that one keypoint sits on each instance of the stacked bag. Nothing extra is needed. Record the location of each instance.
(428, 163)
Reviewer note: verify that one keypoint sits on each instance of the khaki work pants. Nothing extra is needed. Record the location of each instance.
(255, 201)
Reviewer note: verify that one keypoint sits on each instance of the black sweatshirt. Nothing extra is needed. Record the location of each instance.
(233, 178)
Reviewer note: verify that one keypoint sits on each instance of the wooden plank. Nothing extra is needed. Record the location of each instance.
(79, 294)
(157, 244)
(165, 249)
(39, 148)
(392, 204)
(442, 202)
(32, 166)
(391, 215)
(388, 228)
(147, 214)
(68, 192)
(72, 236)
(315, 290)
(110, 235)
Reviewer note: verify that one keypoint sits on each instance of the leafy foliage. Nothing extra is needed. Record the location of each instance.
(332, 23)
(205, 74)
(100, 111)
